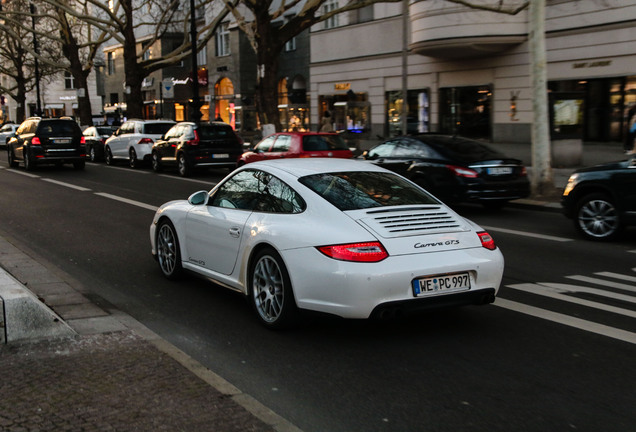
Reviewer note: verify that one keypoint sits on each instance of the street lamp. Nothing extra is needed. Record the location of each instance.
(38, 109)
(195, 105)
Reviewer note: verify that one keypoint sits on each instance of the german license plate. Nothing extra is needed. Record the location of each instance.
(220, 156)
(441, 283)
(62, 141)
(500, 171)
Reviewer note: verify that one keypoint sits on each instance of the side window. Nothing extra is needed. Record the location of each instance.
(281, 144)
(266, 144)
(413, 149)
(239, 192)
(257, 191)
(383, 150)
(127, 128)
(171, 133)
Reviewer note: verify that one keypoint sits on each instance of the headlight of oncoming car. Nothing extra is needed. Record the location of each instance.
(571, 183)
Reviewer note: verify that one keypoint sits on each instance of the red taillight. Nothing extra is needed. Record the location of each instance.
(524, 172)
(146, 141)
(358, 252)
(463, 172)
(486, 240)
(194, 141)
(35, 141)
(82, 140)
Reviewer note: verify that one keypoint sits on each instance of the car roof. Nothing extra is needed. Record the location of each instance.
(300, 167)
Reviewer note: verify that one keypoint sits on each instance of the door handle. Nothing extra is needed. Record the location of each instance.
(235, 232)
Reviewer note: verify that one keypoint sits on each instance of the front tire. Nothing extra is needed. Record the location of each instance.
(270, 290)
(168, 250)
(92, 154)
(597, 217)
(13, 163)
(109, 156)
(156, 162)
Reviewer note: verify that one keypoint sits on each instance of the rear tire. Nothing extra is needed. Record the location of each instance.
(597, 218)
(132, 159)
(29, 164)
(185, 170)
(270, 291)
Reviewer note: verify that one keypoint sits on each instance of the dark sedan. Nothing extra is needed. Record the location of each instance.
(601, 200)
(96, 137)
(454, 169)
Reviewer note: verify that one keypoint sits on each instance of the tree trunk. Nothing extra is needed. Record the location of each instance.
(71, 52)
(267, 100)
(541, 181)
(134, 73)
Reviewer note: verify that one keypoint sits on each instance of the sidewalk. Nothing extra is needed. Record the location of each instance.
(111, 374)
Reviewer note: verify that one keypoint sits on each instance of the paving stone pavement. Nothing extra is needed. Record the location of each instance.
(113, 374)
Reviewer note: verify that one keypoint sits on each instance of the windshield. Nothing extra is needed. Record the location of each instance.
(360, 190)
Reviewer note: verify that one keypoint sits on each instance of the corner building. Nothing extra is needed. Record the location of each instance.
(468, 70)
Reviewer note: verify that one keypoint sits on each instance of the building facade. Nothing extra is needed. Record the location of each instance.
(468, 70)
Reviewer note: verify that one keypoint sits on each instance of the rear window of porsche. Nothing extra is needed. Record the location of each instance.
(361, 190)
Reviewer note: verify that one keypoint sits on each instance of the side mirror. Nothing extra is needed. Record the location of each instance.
(199, 198)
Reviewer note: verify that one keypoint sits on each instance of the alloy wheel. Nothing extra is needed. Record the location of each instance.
(168, 253)
(268, 289)
(598, 218)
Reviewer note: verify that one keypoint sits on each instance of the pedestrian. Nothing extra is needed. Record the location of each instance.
(325, 122)
(630, 133)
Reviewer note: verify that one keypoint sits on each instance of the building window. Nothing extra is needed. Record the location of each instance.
(223, 40)
(111, 63)
(147, 55)
(202, 56)
(329, 6)
(290, 45)
(69, 81)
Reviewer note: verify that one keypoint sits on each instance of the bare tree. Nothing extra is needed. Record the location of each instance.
(125, 21)
(18, 54)
(262, 21)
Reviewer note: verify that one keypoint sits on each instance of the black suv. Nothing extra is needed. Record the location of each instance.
(601, 200)
(188, 145)
(47, 141)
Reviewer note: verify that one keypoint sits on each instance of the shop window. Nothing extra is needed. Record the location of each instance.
(179, 112)
(466, 111)
(224, 108)
(350, 112)
(417, 112)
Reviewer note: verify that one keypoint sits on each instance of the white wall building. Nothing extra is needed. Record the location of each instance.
(468, 70)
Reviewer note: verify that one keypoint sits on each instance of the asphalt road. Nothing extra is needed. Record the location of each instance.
(554, 353)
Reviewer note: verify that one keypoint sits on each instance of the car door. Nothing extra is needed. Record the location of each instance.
(625, 183)
(165, 147)
(214, 231)
(118, 144)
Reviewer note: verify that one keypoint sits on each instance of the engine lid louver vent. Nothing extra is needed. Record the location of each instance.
(421, 220)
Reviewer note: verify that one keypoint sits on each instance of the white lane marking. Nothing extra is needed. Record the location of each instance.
(130, 170)
(68, 185)
(578, 323)
(527, 234)
(554, 293)
(617, 276)
(559, 287)
(127, 201)
(602, 282)
(211, 184)
(24, 173)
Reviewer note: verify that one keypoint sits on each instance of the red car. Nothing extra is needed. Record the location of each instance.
(297, 145)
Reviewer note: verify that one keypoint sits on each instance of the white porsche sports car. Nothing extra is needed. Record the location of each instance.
(337, 236)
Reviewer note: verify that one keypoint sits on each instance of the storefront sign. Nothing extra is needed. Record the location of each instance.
(342, 86)
(582, 65)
